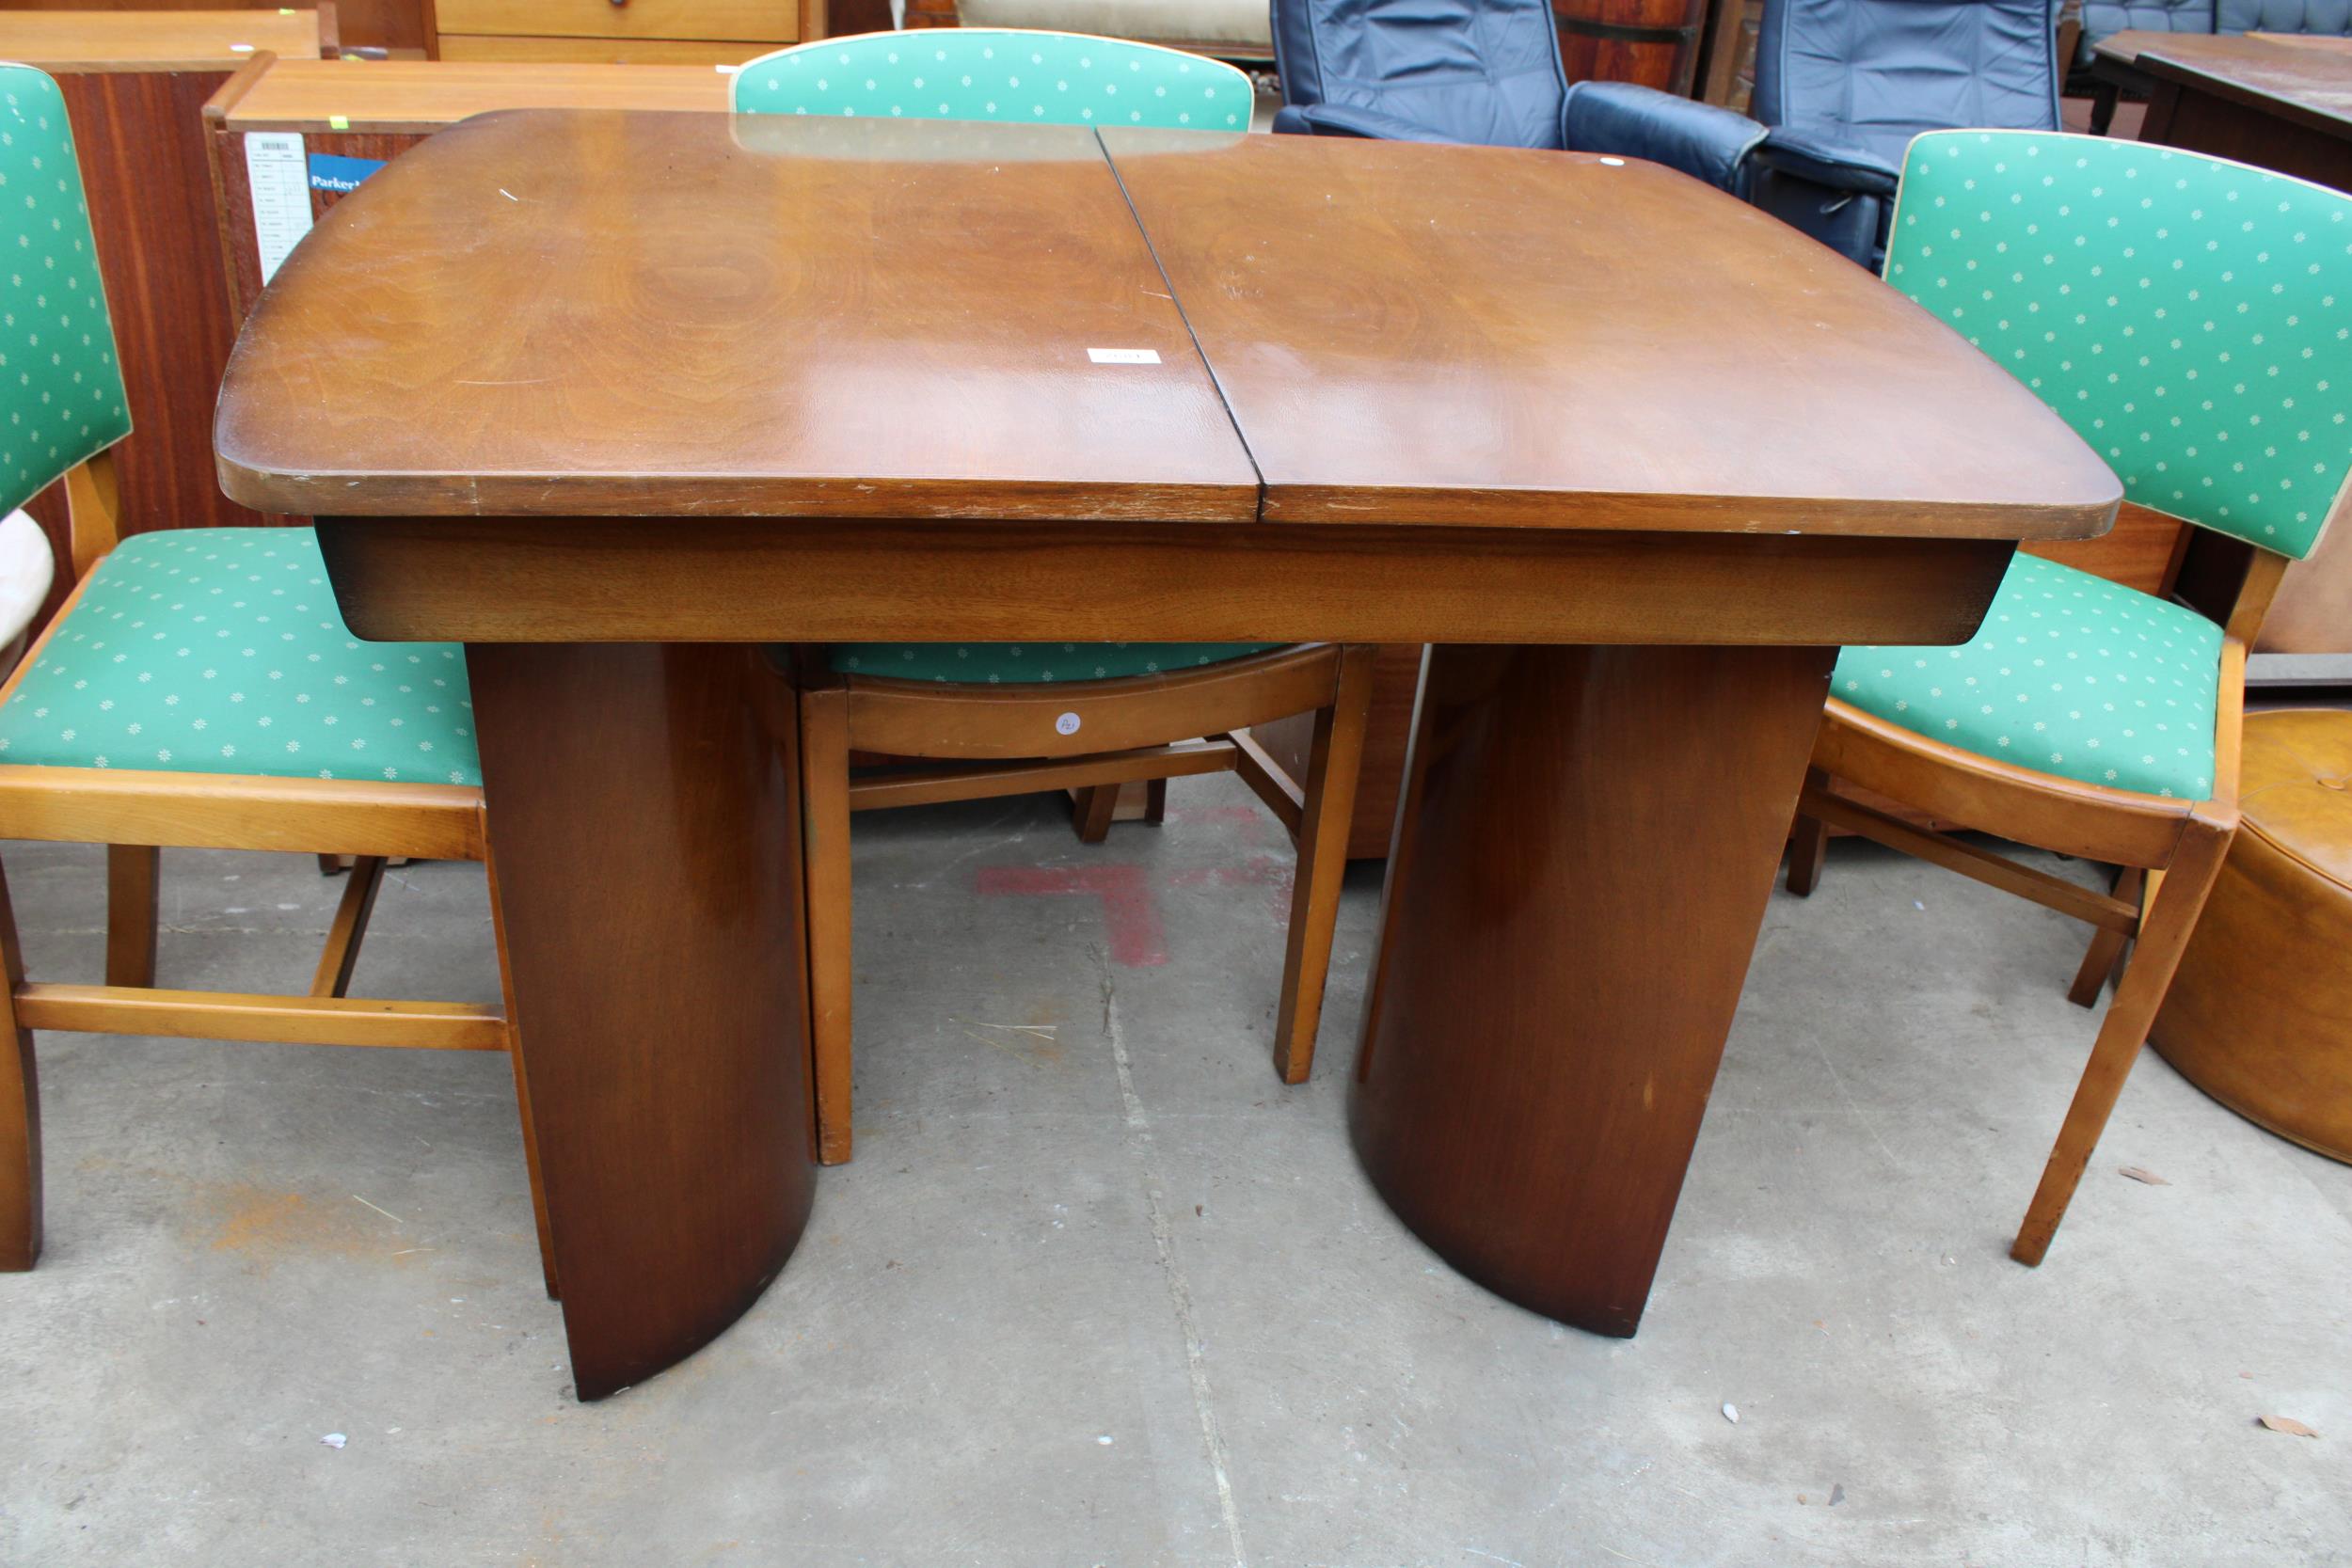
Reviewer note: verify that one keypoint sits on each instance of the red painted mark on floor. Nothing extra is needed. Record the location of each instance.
(1130, 916)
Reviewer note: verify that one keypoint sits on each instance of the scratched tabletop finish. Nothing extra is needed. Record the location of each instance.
(631, 313)
(1421, 333)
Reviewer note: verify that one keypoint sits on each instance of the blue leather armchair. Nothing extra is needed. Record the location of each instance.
(1846, 83)
(1475, 70)
(1841, 87)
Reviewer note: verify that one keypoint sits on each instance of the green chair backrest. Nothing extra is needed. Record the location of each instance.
(2190, 318)
(61, 399)
(1000, 73)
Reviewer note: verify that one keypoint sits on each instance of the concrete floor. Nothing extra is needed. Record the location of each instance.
(1100, 1293)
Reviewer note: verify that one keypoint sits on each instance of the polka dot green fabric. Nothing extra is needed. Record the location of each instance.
(221, 650)
(1012, 663)
(993, 73)
(997, 73)
(61, 399)
(2190, 318)
(2071, 674)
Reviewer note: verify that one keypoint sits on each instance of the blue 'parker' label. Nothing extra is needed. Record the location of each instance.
(330, 172)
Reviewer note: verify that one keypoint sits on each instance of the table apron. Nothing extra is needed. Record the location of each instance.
(567, 579)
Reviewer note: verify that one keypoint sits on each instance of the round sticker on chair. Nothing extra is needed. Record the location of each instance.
(1067, 724)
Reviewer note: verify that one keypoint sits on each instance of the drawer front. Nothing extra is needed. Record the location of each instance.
(726, 20)
(603, 51)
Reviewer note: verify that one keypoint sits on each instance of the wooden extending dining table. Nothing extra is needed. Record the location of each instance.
(621, 401)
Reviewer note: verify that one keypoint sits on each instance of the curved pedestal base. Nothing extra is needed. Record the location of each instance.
(1586, 844)
(645, 849)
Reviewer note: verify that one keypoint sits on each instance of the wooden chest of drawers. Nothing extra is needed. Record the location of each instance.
(636, 32)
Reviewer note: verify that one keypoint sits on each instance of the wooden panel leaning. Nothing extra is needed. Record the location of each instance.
(2087, 717)
(233, 710)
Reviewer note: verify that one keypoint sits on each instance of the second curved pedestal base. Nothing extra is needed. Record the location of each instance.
(1587, 841)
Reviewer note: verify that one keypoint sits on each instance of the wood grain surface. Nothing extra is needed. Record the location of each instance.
(693, 314)
(1416, 333)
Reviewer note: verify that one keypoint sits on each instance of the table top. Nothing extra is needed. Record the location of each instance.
(154, 40)
(1407, 331)
(2305, 79)
(597, 313)
(427, 95)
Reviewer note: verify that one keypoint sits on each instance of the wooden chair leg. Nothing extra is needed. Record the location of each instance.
(350, 924)
(1808, 844)
(1156, 802)
(132, 910)
(1332, 766)
(2171, 916)
(1093, 811)
(825, 818)
(20, 1112)
(334, 865)
(2105, 946)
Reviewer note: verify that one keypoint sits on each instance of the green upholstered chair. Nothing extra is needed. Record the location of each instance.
(2188, 317)
(197, 689)
(997, 73)
(1011, 717)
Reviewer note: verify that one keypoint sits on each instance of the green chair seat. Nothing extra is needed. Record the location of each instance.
(1032, 663)
(2071, 674)
(221, 651)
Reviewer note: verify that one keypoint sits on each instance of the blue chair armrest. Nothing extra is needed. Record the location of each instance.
(1340, 119)
(1699, 139)
(1834, 167)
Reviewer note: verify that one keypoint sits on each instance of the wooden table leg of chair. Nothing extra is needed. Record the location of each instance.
(1156, 802)
(20, 1112)
(133, 872)
(1091, 812)
(2105, 947)
(1808, 844)
(2164, 934)
(1334, 762)
(2103, 98)
(350, 926)
(825, 847)
(335, 866)
(1573, 900)
(658, 997)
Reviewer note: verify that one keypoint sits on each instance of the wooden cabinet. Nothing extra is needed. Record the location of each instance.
(683, 32)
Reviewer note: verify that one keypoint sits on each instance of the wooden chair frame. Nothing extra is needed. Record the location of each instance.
(1005, 740)
(2169, 851)
(132, 812)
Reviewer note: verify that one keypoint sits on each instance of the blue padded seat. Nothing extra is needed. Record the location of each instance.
(219, 650)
